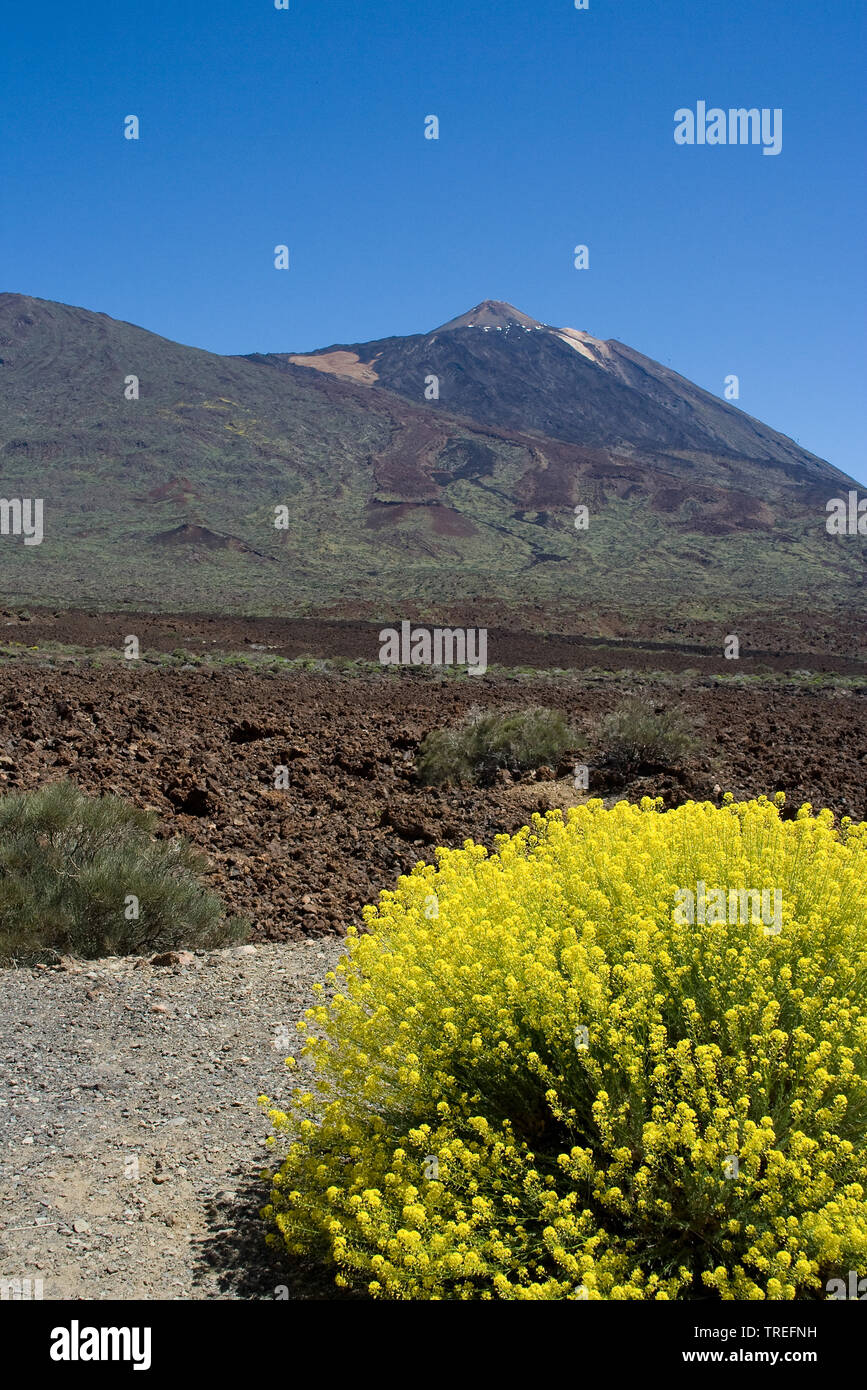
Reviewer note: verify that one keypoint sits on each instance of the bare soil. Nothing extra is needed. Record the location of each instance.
(131, 1139)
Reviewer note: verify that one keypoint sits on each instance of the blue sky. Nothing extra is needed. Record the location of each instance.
(306, 127)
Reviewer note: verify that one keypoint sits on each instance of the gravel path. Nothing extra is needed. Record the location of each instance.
(130, 1137)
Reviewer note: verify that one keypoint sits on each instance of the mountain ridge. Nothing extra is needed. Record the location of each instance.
(398, 504)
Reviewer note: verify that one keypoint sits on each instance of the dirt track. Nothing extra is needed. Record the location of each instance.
(131, 1137)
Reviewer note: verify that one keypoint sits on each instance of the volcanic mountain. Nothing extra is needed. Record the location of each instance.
(500, 367)
(434, 477)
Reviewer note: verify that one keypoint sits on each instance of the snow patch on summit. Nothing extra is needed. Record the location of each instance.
(491, 313)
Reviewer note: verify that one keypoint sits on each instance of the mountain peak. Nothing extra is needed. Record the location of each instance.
(491, 313)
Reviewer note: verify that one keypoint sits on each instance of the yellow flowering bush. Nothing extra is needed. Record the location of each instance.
(536, 1079)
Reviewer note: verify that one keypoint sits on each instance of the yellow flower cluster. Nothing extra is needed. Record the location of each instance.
(555, 1088)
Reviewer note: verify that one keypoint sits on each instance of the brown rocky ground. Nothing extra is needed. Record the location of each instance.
(201, 745)
(596, 637)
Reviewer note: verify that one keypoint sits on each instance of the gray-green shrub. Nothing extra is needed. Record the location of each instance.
(513, 740)
(70, 866)
(638, 734)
